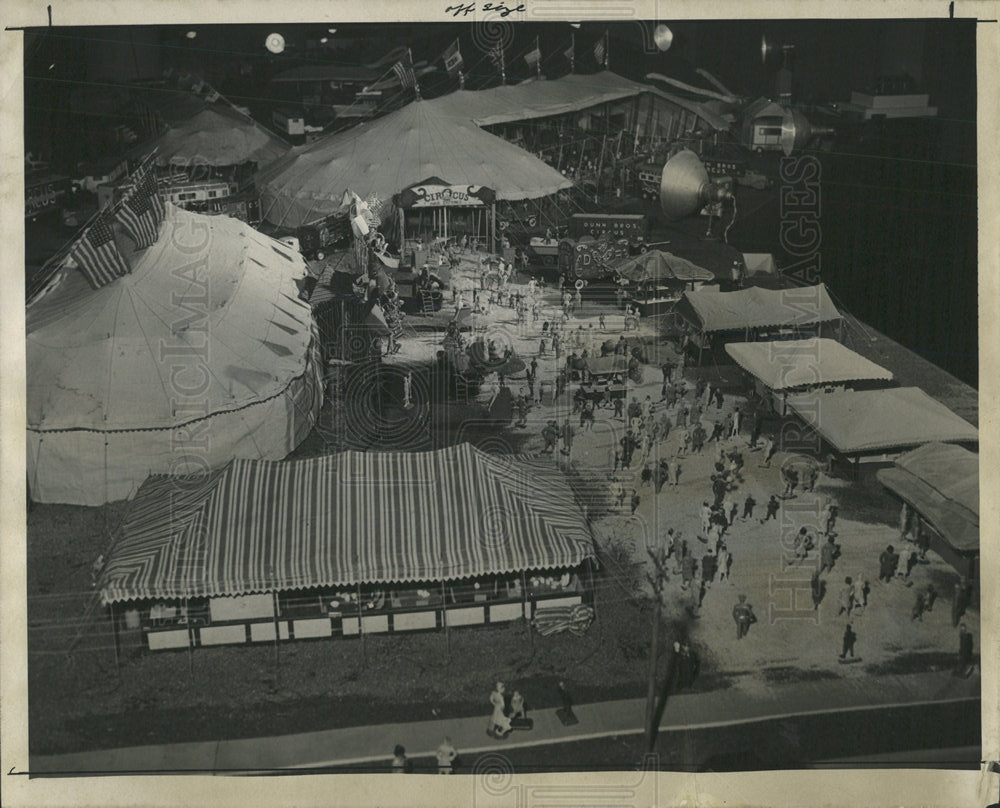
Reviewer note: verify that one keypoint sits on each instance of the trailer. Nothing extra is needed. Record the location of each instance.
(318, 237)
(633, 227)
(591, 259)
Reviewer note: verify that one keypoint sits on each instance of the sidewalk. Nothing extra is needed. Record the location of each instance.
(372, 744)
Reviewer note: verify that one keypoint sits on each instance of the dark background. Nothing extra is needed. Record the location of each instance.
(898, 197)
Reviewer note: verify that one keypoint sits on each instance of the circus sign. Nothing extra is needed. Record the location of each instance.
(438, 194)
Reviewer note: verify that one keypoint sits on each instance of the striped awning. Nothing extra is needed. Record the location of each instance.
(345, 519)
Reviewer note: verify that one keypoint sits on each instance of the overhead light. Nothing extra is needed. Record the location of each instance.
(275, 43)
(663, 37)
(191, 34)
(323, 40)
(331, 30)
(574, 25)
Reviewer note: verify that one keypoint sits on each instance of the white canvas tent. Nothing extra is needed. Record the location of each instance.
(201, 355)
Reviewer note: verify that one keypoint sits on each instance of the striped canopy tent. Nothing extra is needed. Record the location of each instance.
(941, 482)
(758, 308)
(860, 421)
(339, 520)
(658, 265)
(787, 364)
(202, 354)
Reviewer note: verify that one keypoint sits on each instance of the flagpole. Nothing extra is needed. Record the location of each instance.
(503, 71)
(60, 256)
(413, 73)
(538, 64)
(607, 50)
(572, 52)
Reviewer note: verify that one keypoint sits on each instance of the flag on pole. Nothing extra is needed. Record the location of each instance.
(452, 57)
(405, 74)
(97, 255)
(140, 215)
(601, 50)
(534, 56)
(212, 97)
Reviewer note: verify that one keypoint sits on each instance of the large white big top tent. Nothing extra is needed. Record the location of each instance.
(204, 353)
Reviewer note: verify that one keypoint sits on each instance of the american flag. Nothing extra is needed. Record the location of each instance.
(375, 209)
(452, 57)
(142, 211)
(534, 56)
(96, 254)
(405, 74)
(600, 50)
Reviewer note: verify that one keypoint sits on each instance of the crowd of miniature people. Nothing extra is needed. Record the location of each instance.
(691, 417)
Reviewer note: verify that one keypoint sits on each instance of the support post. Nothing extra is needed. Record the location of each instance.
(361, 628)
(593, 590)
(114, 636)
(526, 611)
(492, 235)
(277, 657)
(600, 168)
(187, 611)
(654, 650)
(444, 618)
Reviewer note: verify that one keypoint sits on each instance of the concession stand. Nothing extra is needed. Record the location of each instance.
(783, 368)
(347, 545)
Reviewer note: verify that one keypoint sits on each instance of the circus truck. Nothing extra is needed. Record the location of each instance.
(591, 259)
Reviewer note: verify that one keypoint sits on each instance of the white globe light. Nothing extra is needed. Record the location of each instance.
(275, 43)
(663, 37)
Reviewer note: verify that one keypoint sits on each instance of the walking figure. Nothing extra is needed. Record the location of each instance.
(848, 644)
(744, 617)
(446, 755)
(772, 509)
(499, 722)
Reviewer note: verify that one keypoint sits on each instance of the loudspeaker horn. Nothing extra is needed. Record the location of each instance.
(685, 186)
(796, 131)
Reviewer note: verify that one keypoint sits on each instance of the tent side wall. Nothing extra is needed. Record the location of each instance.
(85, 467)
(335, 612)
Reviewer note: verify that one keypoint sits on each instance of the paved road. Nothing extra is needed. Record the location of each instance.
(358, 746)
